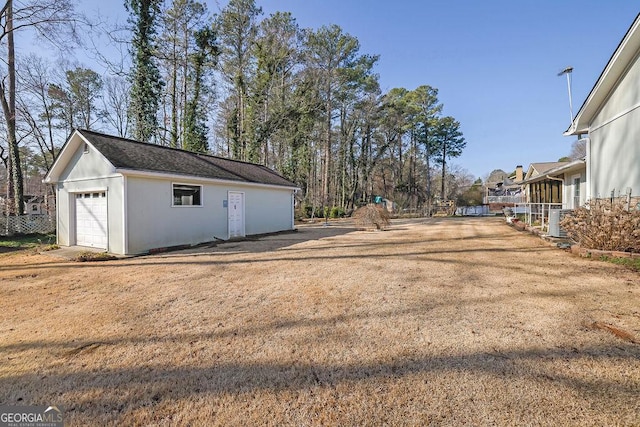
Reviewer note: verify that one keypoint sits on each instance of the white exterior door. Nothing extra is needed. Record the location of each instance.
(91, 220)
(236, 214)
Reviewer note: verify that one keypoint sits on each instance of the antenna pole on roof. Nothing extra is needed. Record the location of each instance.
(568, 72)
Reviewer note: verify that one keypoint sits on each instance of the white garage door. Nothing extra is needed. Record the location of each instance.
(91, 219)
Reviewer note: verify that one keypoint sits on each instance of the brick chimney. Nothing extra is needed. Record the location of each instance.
(519, 173)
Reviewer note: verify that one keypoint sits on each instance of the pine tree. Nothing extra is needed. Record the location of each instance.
(195, 138)
(145, 76)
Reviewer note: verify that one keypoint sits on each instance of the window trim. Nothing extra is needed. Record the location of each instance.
(173, 205)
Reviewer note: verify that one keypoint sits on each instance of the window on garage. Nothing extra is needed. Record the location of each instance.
(187, 195)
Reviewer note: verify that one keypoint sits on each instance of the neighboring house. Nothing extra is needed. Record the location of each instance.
(33, 205)
(503, 191)
(609, 122)
(128, 197)
(557, 182)
(541, 185)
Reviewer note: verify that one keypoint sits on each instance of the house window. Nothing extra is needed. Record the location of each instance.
(187, 195)
(576, 192)
(85, 149)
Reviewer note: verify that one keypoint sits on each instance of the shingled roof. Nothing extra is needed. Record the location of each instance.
(543, 167)
(139, 156)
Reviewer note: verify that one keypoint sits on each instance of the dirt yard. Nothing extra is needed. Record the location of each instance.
(442, 322)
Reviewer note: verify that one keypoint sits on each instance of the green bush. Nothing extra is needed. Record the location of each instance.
(307, 211)
(337, 212)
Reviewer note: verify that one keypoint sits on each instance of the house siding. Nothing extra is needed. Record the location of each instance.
(152, 221)
(613, 137)
(66, 209)
(83, 166)
(568, 189)
(88, 172)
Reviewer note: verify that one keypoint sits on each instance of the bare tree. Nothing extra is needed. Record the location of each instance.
(35, 106)
(51, 20)
(578, 149)
(116, 104)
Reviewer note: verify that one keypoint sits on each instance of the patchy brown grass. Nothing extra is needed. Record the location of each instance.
(445, 322)
(94, 256)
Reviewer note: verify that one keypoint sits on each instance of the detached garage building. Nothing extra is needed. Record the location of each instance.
(129, 197)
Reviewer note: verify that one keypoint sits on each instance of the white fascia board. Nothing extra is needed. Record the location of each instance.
(173, 176)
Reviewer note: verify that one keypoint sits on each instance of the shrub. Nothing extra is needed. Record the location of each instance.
(94, 256)
(605, 226)
(307, 211)
(337, 212)
(370, 216)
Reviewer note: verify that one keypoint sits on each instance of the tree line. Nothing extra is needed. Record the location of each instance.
(305, 102)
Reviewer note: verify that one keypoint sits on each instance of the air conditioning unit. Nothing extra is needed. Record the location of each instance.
(555, 216)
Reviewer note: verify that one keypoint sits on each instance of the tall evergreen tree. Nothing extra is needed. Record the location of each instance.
(237, 26)
(449, 142)
(329, 53)
(426, 100)
(277, 54)
(177, 48)
(195, 126)
(145, 76)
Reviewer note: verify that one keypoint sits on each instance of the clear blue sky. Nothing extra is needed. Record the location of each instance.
(494, 62)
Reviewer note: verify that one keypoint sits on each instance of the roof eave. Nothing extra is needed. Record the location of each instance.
(617, 66)
(555, 171)
(63, 157)
(170, 175)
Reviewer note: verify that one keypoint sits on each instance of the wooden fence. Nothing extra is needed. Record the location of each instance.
(27, 224)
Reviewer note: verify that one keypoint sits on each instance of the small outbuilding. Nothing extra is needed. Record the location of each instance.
(129, 197)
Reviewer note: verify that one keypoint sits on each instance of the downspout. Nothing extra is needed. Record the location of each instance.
(293, 209)
(125, 215)
(588, 168)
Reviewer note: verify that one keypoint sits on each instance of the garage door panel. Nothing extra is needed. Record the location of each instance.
(91, 220)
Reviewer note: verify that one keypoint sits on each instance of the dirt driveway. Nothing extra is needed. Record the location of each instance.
(442, 322)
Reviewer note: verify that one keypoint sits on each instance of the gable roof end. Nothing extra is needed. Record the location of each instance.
(65, 154)
(617, 66)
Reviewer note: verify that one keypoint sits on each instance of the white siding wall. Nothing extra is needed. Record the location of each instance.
(267, 210)
(568, 189)
(615, 140)
(86, 166)
(154, 223)
(81, 175)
